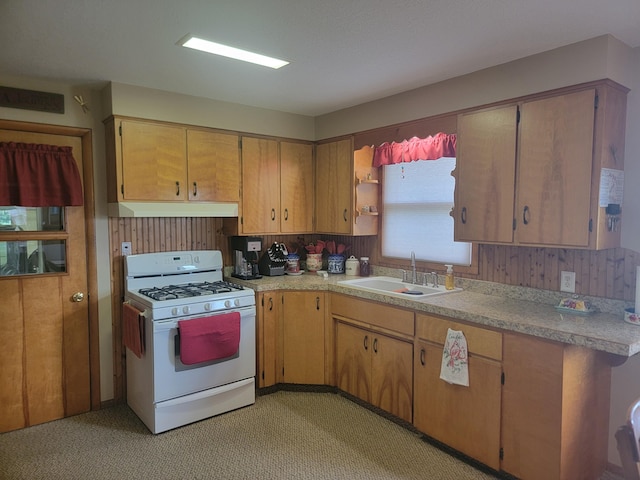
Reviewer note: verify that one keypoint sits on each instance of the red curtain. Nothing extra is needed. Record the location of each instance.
(430, 148)
(34, 175)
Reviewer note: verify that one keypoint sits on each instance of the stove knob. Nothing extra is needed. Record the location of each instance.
(174, 311)
(236, 302)
(207, 306)
(227, 303)
(185, 310)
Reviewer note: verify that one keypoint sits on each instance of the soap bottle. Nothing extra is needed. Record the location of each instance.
(448, 278)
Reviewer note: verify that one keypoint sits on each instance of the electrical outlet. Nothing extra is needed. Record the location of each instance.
(126, 248)
(568, 282)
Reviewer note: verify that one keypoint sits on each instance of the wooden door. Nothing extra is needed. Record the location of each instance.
(260, 186)
(392, 375)
(554, 170)
(296, 187)
(334, 187)
(485, 175)
(44, 348)
(154, 161)
(303, 330)
(465, 418)
(213, 161)
(353, 360)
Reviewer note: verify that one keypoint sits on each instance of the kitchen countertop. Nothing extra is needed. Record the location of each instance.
(516, 309)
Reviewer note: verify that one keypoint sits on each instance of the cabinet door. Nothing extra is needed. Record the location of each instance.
(260, 186)
(268, 315)
(296, 187)
(303, 331)
(334, 187)
(392, 375)
(154, 162)
(465, 418)
(554, 170)
(485, 175)
(353, 360)
(213, 166)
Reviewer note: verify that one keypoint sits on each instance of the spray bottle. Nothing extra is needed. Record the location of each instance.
(448, 278)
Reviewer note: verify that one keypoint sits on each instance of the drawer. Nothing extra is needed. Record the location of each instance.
(373, 313)
(480, 341)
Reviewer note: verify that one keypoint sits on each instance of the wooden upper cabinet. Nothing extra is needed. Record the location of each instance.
(260, 186)
(213, 161)
(296, 187)
(485, 170)
(154, 161)
(554, 170)
(334, 186)
(564, 141)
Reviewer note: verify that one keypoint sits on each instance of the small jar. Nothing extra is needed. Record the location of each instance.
(352, 266)
(364, 266)
(293, 263)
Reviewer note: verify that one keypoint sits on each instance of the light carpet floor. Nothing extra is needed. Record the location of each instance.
(285, 435)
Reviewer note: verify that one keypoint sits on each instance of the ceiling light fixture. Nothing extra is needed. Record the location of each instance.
(218, 49)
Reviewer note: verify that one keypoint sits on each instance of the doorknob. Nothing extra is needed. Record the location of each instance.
(77, 297)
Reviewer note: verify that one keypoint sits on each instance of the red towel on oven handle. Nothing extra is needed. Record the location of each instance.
(209, 338)
(133, 329)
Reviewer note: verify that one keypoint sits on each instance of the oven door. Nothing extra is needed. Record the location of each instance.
(172, 378)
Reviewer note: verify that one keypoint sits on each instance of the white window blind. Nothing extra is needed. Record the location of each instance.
(417, 198)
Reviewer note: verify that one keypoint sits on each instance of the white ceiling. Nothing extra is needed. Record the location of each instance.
(342, 52)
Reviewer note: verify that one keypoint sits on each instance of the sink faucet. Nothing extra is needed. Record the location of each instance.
(414, 278)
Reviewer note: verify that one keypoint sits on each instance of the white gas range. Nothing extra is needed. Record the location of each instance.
(169, 289)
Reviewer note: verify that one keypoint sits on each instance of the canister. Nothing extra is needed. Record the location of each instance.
(364, 266)
(352, 266)
(336, 263)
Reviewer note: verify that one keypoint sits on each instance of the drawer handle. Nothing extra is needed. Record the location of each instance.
(375, 345)
(366, 342)
(270, 303)
(422, 359)
(317, 303)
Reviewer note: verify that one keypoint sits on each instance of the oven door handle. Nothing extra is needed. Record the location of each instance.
(205, 393)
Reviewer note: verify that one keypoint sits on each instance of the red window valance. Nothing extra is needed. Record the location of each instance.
(430, 148)
(34, 175)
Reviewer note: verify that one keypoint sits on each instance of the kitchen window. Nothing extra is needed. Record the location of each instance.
(417, 199)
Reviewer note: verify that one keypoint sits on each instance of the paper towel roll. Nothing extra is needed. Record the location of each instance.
(637, 310)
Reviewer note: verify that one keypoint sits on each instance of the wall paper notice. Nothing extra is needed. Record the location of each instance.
(611, 186)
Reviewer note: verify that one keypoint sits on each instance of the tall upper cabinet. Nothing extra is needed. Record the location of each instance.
(533, 172)
(345, 183)
(277, 187)
(161, 162)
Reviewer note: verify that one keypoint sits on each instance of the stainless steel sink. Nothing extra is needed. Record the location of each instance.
(396, 287)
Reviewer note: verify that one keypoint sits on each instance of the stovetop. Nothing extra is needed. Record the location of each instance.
(188, 290)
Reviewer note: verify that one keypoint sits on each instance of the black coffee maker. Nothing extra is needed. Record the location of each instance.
(246, 252)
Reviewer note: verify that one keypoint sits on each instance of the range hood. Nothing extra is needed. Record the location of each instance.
(171, 209)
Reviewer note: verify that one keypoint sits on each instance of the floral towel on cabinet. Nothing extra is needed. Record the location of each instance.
(455, 367)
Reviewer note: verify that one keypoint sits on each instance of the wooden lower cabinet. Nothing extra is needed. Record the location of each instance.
(465, 418)
(291, 337)
(303, 337)
(374, 353)
(555, 409)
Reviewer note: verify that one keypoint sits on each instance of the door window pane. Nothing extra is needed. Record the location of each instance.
(31, 219)
(30, 257)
